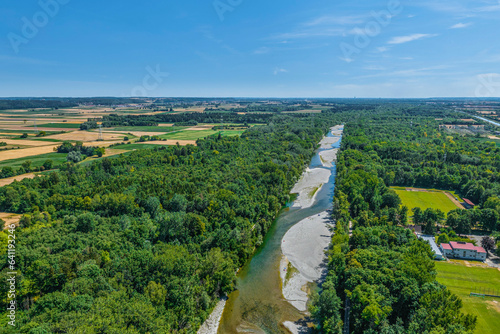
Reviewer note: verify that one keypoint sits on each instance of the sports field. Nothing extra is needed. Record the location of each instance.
(426, 199)
(462, 280)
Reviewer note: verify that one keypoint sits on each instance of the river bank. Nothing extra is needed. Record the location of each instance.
(303, 261)
(304, 245)
(211, 325)
(258, 305)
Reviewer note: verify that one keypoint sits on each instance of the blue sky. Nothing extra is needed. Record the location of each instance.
(244, 48)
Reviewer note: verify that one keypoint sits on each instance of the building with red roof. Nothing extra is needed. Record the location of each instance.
(468, 204)
(463, 250)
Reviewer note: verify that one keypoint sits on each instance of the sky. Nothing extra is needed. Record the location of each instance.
(243, 48)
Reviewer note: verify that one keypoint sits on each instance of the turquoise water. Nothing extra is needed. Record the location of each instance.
(258, 306)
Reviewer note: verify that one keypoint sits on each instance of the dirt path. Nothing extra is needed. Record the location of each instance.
(454, 200)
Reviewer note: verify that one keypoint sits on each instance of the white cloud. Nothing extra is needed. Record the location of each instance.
(337, 20)
(279, 70)
(346, 59)
(490, 8)
(261, 51)
(460, 25)
(409, 72)
(310, 33)
(409, 38)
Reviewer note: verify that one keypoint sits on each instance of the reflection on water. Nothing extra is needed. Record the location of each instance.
(258, 305)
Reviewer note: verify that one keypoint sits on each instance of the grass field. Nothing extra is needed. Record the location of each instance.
(194, 135)
(131, 147)
(148, 128)
(496, 141)
(25, 131)
(461, 280)
(36, 161)
(425, 200)
(58, 125)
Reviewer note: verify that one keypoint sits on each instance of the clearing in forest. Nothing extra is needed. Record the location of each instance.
(424, 199)
(462, 280)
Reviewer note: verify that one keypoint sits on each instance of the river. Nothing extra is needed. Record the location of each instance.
(258, 305)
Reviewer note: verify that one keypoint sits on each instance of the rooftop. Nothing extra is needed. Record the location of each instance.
(446, 246)
(465, 246)
(469, 202)
(431, 240)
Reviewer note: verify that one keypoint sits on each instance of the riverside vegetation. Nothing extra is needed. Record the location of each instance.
(383, 274)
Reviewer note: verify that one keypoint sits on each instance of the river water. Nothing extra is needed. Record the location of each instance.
(258, 305)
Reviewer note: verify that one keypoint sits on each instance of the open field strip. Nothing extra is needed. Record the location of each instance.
(426, 199)
(161, 129)
(462, 280)
(9, 180)
(194, 135)
(171, 142)
(64, 125)
(24, 142)
(85, 136)
(36, 161)
(27, 152)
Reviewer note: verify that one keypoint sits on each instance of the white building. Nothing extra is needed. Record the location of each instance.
(463, 250)
(438, 255)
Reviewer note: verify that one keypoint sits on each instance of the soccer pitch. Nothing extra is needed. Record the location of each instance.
(462, 280)
(425, 199)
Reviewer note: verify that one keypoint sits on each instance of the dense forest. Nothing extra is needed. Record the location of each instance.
(189, 119)
(148, 241)
(56, 103)
(382, 274)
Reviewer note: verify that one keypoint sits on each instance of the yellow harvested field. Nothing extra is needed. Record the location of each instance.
(27, 152)
(85, 136)
(172, 142)
(27, 142)
(7, 181)
(166, 124)
(200, 127)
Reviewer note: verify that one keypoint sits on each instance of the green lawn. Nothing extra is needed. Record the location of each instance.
(462, 280)
(36, 161)
(425, 200)
(194, 135)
